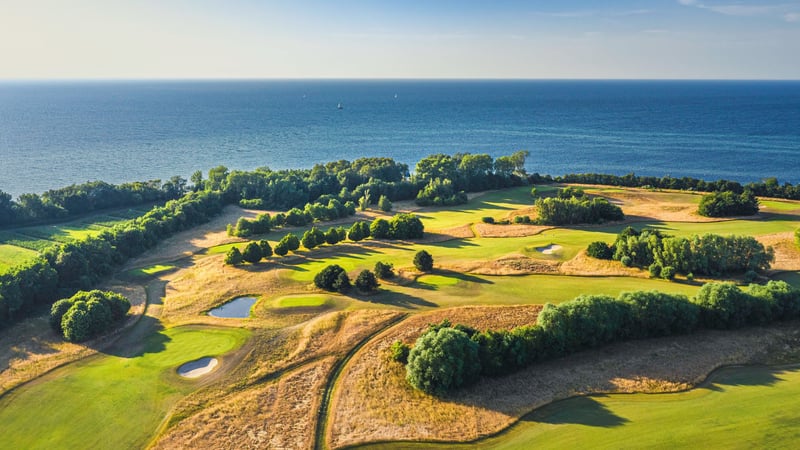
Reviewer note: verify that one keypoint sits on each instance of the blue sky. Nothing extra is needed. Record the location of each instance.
(744, 39)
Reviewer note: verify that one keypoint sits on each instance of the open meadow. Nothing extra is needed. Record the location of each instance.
(307, 368)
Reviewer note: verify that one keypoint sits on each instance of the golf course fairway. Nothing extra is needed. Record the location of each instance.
(110, 401)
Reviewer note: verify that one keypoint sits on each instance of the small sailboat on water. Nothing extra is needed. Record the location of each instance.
(339, 106)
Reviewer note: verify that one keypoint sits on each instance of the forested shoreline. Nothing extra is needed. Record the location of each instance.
(438, 179)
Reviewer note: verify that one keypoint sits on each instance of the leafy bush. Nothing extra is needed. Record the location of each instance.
(440, 192)
(366, 281)
(266, 249)
(406, 226)
(668, 273)
(384, 204)
(342, 283)
(328, 277)
(725, 204)
(252, 253)
(522, 219)
(384, 270)
(655, 270)
(559, 211)
(724, 306)
(379, 229)
(487, 219)
(358, 231)
(626, 261)
(399, 352)
(281, 249)
(88, 314)
(442, 360)
(599, 250)
(423, 261)
(234, 257)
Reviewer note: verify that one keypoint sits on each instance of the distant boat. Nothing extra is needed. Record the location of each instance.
(395, 95)
(339, 106)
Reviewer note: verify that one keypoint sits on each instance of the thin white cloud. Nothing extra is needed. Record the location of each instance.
(785, 11)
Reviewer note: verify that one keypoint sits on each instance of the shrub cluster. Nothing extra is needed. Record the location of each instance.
(88, 314)
(709, 254)
(576, 210)
(312, 212)
(439, 362)
(333, 278)
(600, 250)
(727, 203)
(383, 270)
(440, 192)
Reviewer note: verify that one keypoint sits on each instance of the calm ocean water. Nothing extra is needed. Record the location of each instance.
(57, 133)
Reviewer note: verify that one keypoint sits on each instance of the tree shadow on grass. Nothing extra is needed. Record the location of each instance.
(745, 376)
(398, 299)
(579, 411)
(146, 337)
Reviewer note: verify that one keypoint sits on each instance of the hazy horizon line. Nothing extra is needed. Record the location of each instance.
(211, 79)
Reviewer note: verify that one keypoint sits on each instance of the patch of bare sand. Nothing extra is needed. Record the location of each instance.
(583, 264)
(641, 204)
(31, 348)
(787, 253)
(277, 414)
(489, 230)
(377, 404)
(189, 242)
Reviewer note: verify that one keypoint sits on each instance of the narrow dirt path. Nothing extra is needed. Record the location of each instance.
(333, 377)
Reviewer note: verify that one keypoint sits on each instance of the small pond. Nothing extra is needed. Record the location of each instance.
(198, 367)
(238, 308)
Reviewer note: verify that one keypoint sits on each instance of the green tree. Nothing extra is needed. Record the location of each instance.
(291, 241)
(281, 249)
(266, 249)
(379, 229)
(384, 204)
(358, 231)
(599, 250)
(366, 281)
(384, 270)
(423, 261)
(252, 253)
(332, 236)
(342, 283)
(327, 277)
(443, 360)
(399, 352)
(234, 257)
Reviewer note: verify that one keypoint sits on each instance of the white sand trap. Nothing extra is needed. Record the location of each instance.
(197, 368)
(549, 250)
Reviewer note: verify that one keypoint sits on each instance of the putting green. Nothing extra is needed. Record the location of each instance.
(302, 301)
(744, 407)
(149, 271)
(110, 401)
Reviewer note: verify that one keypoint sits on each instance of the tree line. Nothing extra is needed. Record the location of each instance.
(400, 226)
(77, 199)
(447, 357)
(64, 269)
(767, 188)
(709, 254)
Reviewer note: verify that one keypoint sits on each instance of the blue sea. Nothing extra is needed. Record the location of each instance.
(57, 133)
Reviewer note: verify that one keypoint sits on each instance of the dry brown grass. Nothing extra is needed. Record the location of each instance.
(510, 265)
(787, 253)
(31, 348)
(502, 231)
(582, 264)
(375, 403)
(278, 414)
(641, 204)
(189, 242)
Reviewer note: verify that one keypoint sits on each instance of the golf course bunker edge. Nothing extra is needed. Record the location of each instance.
(198, 367)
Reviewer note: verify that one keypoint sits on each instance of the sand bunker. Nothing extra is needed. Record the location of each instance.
(197, 368)
(549, 250)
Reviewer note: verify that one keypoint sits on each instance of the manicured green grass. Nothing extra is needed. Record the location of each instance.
(497, 204)
(745, 407)
(11, 255)
(149, 271)
(302, 301)
(780, 205)
(110, 401)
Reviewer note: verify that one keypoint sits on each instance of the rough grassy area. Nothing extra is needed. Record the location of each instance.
(377, 393)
